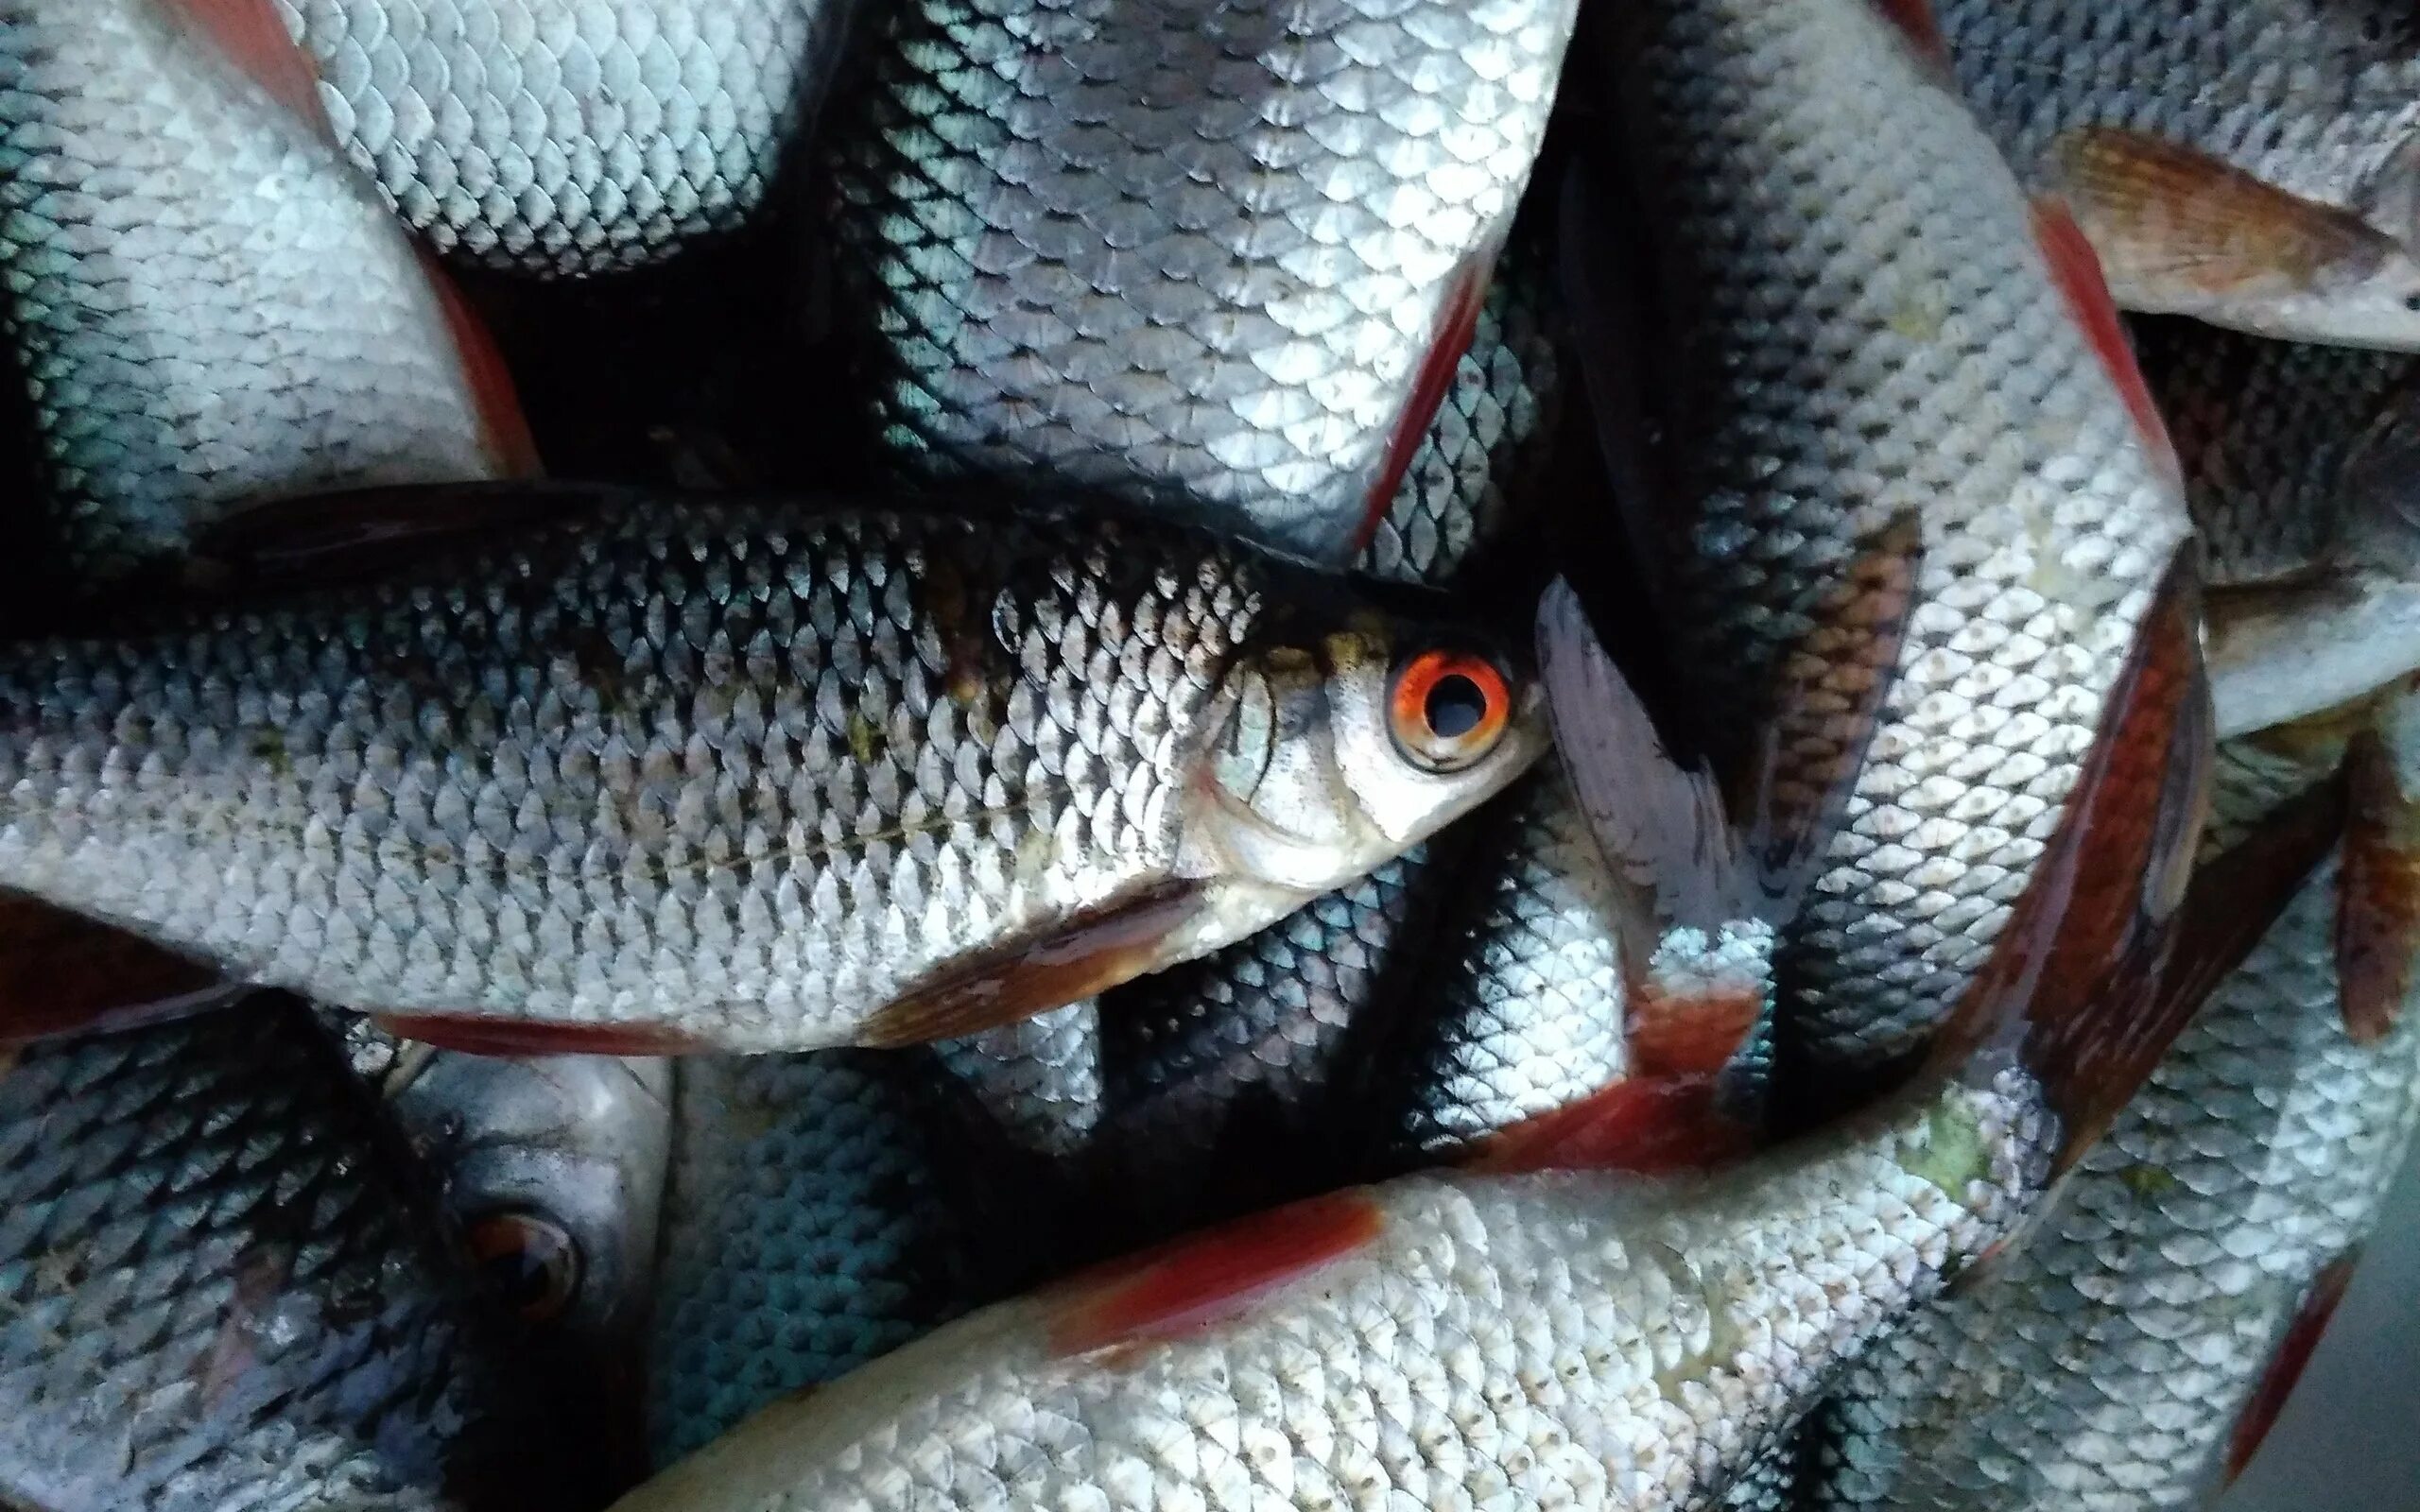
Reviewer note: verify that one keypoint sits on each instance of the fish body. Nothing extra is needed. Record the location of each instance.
(206, 305)
(2110, 1363)
(1209, 257)
(1552, 1339)
(2249, 163)
(2298, 467)
(1040, 1078)
(227, 1288)
(1909, 505)
(749, 776)
(814, 1218)
(569, 136)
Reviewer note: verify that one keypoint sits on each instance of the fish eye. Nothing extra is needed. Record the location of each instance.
(532, 1263)
(1447, 708)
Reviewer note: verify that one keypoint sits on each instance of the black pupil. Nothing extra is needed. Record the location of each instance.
(527, 1272)
(1455, 706)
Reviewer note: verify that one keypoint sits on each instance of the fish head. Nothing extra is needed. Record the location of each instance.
(1337, 748)
(553, 1167)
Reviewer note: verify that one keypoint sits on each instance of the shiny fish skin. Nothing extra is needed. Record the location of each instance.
(1517, 1338)
(1190, 256)
(1520, 1007)
(615, 773)
(810, 1225)
(205, 303)
(569, 136)
(1482, 464)
(1039, 1079)
(223, 1291)
(2298, 467)
(2317, 96)
(1907, 353)
(2102, 1366)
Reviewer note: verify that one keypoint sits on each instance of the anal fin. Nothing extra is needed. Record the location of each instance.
(2378, 892)
(1646, 1125)
(473, 1034)
(504, 430)
(2286, 1367)
(251, 36)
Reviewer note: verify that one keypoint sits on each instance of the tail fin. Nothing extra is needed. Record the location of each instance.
(2110, 952)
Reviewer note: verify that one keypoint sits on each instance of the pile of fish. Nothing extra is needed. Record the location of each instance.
(902, 755)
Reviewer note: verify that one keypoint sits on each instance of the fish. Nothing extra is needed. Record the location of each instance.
(1572, 1320)
(2133, 1352)
(2295, 459)
(818, 1214)
(1471, 490)
(553, 1167)
(2248, 165)
(205, 303)
(1220, 260)
(567, 138)
(650, 774)
(1904, 506)
(227, 1287)
(1520, 1007)
(1038, 1078)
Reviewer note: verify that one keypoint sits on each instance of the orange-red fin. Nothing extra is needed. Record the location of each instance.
(504, 431)
(317, 540)
(1915, 22)
(1792, 785)
(1644, 1124)
(2081, 978)
(474, 1035)
(251, 35)
(2285, 1368)
(2177, 229)
(2378, 892)
(1089, 953)
(62, 974)
(2075, 269)
(1450, 338)
(1204, 1278)
(1693, 1033)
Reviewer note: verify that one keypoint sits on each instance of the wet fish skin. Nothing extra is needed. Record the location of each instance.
(226, 1288)
(1442, 1293)
(2103, 1365)
(570, 136)
(1188, 257)
(1917, 349)
(2297, 460)
(812, 1223)
(650, 770)
(205, 303)
(1520, 1007)
(1039, 1079)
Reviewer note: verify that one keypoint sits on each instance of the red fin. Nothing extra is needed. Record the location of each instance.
(475, 1036)
(2082, 969)
(2285, 1369)
(2377, 893)
(1914, 19)
(1677, 1036)
(317, 540)
(251, 35)
(504, 430)
(1088, 953)
(62, 974)
(1209, 1277)
(1457, 323)
(1792, 787)
(1646, 1124)
(2075, 268)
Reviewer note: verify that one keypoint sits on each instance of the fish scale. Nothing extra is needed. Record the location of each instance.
(2102, 1367)
(1191, 257)
(737, 775)
(569, 136)
(1867, 330)
(216, 1264)
(206, 305)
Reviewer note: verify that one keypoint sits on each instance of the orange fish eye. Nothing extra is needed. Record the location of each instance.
(1447, 708)
(530, 1261)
